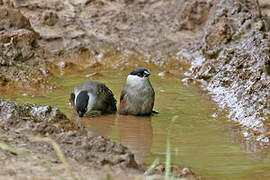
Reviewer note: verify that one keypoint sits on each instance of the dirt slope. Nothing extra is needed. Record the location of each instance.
(233, 61)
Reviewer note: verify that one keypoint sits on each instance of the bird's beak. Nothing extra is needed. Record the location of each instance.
(146, 74)
(80, 113)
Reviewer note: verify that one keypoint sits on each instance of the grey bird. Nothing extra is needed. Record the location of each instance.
(93, 95)
(137, 96)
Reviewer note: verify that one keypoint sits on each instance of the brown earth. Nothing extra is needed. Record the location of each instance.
(225, 41)
(86, 155)
(233, 64)
(33, 130)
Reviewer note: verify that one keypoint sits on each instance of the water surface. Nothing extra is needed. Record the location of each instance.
(198, 141)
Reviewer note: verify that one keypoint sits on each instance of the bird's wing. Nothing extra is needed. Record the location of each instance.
(109, 97)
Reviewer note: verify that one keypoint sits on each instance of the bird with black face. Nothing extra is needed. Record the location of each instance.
(93, 95)
(137, 96)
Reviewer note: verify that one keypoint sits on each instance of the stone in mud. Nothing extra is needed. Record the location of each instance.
(3, 80)
(17, 45)
(267, 67)
(218, 34)
(4, 62)
(13, 115)
(206, 71)
(49, 18)
(100, 151)
(12, 19)
(194, 14)
(177, 172)
(46, 112)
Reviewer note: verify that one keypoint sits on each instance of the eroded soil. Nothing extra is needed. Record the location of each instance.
(225, 41)
(233, 63)
(26, 128)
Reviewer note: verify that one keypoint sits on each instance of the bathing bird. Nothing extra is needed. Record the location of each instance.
(137, 96)
(93, 95)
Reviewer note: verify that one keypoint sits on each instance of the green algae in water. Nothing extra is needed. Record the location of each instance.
(94, 113)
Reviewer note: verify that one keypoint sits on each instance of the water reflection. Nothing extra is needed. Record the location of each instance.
(208, 147)
(133, 132)
(136, 133)
(99, 125)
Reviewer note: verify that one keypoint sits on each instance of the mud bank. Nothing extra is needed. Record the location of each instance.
(28, 121)
(225, 41)
(232, 62)
(21, 64)
(64, 25)
(44, 31)
(28, 127)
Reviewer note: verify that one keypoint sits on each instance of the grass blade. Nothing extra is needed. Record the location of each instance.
(168, 160)
(150, 169)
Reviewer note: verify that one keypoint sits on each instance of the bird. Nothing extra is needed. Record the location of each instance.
(137, 96)
(93, 95)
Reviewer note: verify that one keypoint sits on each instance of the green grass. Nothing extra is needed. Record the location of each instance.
(167, 175)
(151, 168)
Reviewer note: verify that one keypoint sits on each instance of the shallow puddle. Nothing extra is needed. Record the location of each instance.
(198, 141)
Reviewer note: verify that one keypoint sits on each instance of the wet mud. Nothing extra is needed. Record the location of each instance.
(232, 63)
(22, 125)
(226, 43)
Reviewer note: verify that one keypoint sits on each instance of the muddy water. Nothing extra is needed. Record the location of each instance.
(198, 140)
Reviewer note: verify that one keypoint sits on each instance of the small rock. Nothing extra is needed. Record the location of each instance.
(187, 81)
(186, 171)
(259, 25)
(12, 19)
(62, 64)
(161, 74)
(49, 18)
(99, 57)
(194, 13)
(218, 34)
(18, 44)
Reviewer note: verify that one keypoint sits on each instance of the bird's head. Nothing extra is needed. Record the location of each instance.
(82, 103)
(140, 72)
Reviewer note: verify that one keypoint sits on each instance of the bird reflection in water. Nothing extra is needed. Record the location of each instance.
(99, 125)
(135, 132)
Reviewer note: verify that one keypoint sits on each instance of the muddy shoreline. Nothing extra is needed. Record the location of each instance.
(33, 130)
(226, 43)
(232, 64)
